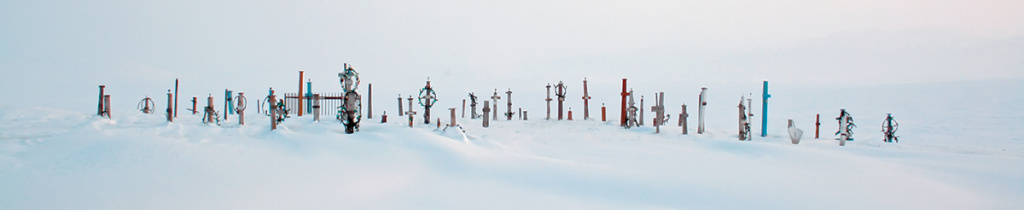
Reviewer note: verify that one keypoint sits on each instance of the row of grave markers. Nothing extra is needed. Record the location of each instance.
(349, 112)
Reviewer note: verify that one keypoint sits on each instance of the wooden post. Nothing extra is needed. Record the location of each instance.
(300, 94)
(452, 123)
(463, 108)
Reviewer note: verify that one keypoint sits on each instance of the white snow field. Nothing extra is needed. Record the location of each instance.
(960, 148)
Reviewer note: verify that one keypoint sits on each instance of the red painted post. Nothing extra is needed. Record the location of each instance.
(300, 94)
(570, 113)
(603, 111)
(622, 115)
(817, 124)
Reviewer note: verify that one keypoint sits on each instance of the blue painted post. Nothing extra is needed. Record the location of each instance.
(309, 97)
(230, 107)
(764, 110)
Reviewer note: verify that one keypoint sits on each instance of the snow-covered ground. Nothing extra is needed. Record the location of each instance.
(960, 148)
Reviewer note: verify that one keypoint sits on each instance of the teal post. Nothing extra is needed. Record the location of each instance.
(764, 110)
(309, 97)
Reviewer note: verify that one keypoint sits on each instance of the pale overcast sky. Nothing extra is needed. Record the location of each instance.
(139, 47)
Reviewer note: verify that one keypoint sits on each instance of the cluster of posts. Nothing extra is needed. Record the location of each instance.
(349, 112)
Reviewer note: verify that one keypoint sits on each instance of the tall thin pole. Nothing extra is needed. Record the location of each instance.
(764, 110)
(586, 101)
(622, 114)
(175, 98)
(369, 101)
(300, 94)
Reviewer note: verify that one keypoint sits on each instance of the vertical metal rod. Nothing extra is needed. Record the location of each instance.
(487, 110)
(495, 97)
(622, 114)
(586, 101)
(764, 110)
(400, 111)
(240, 109)
(560, 93)
(641, 121)
(548, 100)
(508, 114)
(463, 108)
(369, 101)
(175, 98)
(170, 108)
(300, 94)
(273, 110)
(316, 107)
(817, 124)
(309, 96)
(106, 106)
(700, 111)
(682, 119)
(99, 106)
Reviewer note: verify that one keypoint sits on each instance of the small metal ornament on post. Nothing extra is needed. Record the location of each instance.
(427, 100)
(889, 127)
(146, 105)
